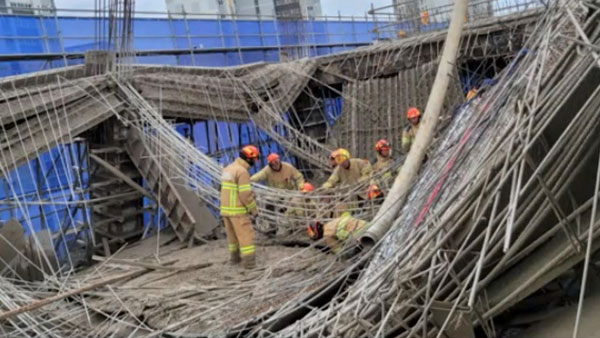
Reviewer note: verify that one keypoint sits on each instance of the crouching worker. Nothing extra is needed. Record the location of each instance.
(341, 234)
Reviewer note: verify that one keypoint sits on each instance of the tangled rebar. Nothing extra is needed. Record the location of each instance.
(501, 208)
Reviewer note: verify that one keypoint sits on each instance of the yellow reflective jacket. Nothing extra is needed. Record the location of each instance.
(383, 164)
(339, 230)
(408, 137)
(287, 178)
(237, 198)
(302, 208)
(359, 170)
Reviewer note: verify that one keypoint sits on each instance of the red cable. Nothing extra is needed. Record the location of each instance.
(441, 181)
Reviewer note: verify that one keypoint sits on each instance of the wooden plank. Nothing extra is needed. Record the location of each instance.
(122, 176)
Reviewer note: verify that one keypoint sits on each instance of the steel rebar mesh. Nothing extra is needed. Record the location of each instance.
(487, 143)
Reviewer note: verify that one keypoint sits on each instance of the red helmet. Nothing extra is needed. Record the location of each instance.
(374, 192)
(250, 151)
(382, 144)
(272, 158)
(307, 187)
(412, 113)
(315, 231)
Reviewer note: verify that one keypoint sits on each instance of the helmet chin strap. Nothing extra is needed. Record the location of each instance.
(250, 161)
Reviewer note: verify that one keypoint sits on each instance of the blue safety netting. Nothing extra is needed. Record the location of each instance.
(57, 35)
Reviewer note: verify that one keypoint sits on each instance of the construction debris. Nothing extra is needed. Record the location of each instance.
(496, 231)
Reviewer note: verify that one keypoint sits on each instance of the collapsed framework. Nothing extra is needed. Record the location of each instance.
(495, 237)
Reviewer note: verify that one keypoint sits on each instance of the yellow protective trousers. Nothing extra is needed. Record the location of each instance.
(240, 235)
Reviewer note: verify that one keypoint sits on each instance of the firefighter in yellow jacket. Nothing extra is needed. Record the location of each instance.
(331, 159)
(238, 206)
(349, 170)
(302, 207)
(408, 135)
(339, 232)
(384, 160)
(280, 175)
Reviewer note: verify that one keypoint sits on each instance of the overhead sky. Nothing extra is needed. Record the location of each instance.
(350, 7)
(330, 7)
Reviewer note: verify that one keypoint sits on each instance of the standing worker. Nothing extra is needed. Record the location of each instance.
(384, 161)
(238, 206)
(409, 134)
(280, 175)
(348, 170)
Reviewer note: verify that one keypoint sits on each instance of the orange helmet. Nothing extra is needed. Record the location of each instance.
(307, 187)
(472, 93)
(374, 192)
(250, 151)
(341, 155)
(272, 158)
(382, 144)
(412, 113)
(315, 231)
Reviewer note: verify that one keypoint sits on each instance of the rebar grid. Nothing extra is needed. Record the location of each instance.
(499, 166)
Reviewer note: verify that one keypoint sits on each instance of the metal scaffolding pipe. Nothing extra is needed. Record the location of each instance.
(395, 199)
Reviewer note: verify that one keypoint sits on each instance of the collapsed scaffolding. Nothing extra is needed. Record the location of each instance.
(499, 192)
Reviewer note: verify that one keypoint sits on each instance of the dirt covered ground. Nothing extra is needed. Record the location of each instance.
(196, 290)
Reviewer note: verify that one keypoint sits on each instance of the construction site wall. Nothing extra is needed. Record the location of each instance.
(30, 43)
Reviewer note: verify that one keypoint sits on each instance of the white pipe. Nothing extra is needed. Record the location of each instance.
(395, 199)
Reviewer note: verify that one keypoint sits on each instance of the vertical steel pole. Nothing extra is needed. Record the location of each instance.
(354, 29)
(189, 38)
(44, 31)
(39, 182)
(403, 183)
(173, 36)
(376, 29)
(60, 38)
(277, 36)
(237, 38)
(262, 39)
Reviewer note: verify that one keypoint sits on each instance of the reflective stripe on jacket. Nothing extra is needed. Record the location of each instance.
(237, 198)
(408, 137)
(341, 229)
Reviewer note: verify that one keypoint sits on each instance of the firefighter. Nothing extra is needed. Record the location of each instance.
(384, 161)
(472, 93)
(303, 207)
(374, 193)
(409, 134)
(280, 175)
(332, 163)
(349, 170)
(340, 233)
(238, 207)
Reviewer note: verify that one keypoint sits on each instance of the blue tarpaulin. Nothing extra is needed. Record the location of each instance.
(47, 34)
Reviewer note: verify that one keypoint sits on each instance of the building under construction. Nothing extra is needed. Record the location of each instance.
(112, 148)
